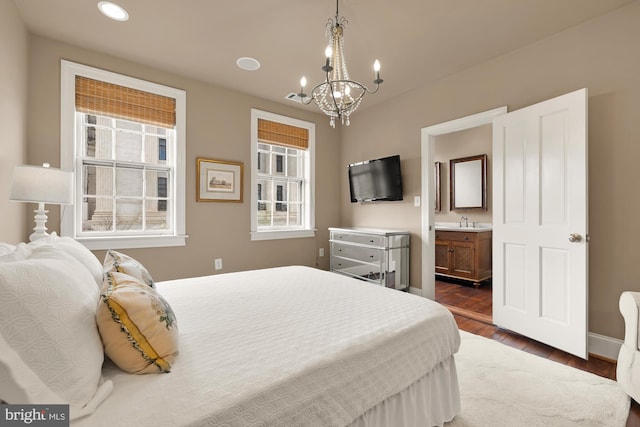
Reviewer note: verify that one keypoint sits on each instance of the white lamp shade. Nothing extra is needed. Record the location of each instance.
(42, 185)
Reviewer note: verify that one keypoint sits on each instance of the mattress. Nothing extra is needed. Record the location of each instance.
(284, 346)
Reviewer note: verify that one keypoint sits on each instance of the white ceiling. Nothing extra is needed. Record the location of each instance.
(416, 41)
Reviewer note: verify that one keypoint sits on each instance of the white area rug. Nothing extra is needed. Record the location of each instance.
(502, 386)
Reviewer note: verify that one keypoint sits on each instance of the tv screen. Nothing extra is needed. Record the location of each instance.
(379, 179)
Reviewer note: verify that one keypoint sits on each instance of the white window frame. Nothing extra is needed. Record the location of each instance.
(308, 215)
(70, 149)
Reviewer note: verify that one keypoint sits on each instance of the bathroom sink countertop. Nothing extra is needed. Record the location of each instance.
(454, 226)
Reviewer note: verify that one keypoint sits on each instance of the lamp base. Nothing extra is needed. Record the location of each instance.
(40, 230)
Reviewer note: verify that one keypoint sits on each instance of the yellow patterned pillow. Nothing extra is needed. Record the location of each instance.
(137, 326)
(116, 261)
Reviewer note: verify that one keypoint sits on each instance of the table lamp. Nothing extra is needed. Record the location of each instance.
(41, 184)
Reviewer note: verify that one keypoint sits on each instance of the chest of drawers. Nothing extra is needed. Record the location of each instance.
(375, 255)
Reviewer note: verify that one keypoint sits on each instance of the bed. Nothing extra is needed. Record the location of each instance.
(288, 346)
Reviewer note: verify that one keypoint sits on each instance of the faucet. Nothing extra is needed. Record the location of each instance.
(466, 221)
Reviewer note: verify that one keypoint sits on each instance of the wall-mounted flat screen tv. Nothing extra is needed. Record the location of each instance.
(375, 180)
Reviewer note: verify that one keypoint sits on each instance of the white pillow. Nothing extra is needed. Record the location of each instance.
(21, 251)
(6, 248)
(77, 250)
(50, 346)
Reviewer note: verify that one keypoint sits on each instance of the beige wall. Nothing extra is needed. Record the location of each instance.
(455, 145)
(601, 55)
(13, 119)
(218, 127)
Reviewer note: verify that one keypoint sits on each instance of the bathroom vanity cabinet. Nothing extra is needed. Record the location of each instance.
(464, 254)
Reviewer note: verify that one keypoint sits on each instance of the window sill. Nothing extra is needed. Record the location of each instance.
(126, 242)
(282, 234)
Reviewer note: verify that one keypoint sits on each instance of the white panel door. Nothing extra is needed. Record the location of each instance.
(540, 227)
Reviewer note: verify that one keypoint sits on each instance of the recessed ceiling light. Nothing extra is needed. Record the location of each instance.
(249, 64)
(113, 11)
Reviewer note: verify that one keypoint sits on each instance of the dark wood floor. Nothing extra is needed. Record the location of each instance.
(471, 307)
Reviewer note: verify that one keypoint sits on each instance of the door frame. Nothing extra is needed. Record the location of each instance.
(427, 216)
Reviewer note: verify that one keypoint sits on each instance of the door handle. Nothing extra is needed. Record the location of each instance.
(575, 237)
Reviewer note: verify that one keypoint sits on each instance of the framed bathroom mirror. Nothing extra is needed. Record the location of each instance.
(468, 182)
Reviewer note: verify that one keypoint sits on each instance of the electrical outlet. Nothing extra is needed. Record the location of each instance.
(218, 263)
(416, 201)
(321, 251)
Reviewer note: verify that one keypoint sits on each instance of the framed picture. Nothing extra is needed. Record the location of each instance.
(218, 181)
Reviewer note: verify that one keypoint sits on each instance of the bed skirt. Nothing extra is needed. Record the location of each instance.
(431, 401)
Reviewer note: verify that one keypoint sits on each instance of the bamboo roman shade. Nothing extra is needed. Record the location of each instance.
(108, 99)
(282, 134)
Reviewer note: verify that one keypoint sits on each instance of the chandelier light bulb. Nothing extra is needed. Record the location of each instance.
(303, 82)
(376, 66)
(347, 90)
(328, 52)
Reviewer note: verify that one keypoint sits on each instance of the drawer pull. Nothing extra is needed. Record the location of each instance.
(466, 237)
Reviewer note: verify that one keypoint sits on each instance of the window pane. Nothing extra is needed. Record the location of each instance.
(104, 121)
(97, 214)
(128, 214)
(278, 149)
(294, 217)
(263, 162)
(280, 215)
(128, 182)
(123, 124)
(157, 214)
(294, 192)
(156, 130)
(98, 142)
(157, 183)
(277, 165)
(128, 146)
(292, 166)
(264, 215)
(98, 180)
(158, 220)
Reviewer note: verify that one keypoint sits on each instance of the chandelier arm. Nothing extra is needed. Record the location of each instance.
(304, 96)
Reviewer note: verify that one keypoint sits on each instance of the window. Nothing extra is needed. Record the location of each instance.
(124, 138)
(282, 174)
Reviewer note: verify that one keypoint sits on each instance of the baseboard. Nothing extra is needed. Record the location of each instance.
(603, 347)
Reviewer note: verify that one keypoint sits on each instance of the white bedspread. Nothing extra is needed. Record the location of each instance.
(283, 346)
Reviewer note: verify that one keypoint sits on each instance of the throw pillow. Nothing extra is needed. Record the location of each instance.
(118, 262)
(138, 327)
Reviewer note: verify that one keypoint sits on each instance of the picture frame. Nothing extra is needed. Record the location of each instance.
(218, 180)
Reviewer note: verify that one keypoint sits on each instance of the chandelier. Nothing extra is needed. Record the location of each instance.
(338, 96)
